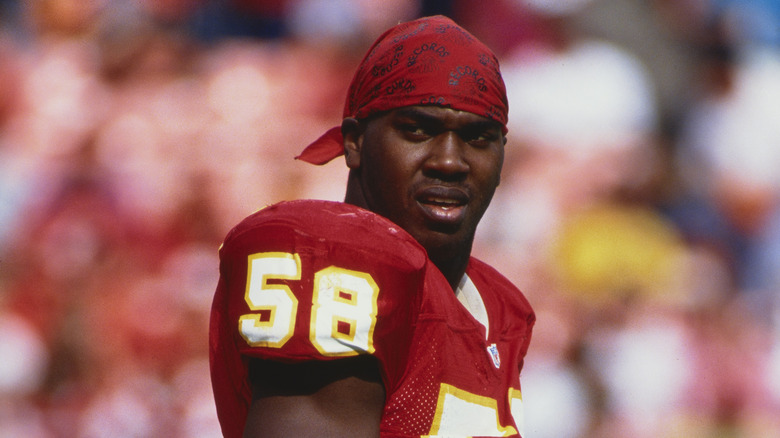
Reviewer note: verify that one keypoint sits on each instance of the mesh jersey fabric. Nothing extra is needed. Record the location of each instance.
(470, 376)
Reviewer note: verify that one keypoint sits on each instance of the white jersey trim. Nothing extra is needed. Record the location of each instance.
(469, 297)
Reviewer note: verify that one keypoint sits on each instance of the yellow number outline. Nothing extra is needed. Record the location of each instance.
(258, 306)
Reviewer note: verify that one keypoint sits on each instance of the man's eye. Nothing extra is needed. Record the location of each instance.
(414, 130)
(481, 138)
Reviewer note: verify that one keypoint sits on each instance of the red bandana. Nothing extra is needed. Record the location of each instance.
(429, 61)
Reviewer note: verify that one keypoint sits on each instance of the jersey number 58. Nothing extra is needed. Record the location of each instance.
(343, 309)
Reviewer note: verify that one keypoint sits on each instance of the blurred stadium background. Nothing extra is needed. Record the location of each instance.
(639, 208)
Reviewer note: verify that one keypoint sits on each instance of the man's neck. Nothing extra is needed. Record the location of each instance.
(452, 265)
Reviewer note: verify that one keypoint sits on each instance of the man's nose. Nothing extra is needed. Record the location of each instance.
(446, 156)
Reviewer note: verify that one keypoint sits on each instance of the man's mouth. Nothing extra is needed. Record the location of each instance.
(443, 205)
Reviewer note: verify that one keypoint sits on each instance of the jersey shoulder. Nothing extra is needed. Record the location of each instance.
(310, 280)
(317, 223)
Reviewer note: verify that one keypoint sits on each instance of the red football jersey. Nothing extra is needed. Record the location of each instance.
(318, 280)
(463, 378)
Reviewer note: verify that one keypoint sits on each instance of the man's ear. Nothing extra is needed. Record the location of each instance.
(352, 131)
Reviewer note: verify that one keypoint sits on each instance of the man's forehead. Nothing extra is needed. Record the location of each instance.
(435, 112)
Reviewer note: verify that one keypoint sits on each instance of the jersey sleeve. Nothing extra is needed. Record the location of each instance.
(310, 280)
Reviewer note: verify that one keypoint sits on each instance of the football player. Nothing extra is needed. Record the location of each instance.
(370, 317)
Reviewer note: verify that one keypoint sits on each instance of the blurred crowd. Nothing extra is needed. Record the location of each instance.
(639, 208)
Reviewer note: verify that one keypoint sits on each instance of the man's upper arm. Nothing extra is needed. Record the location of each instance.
(344, 397)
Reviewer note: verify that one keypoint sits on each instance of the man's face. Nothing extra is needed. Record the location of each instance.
(431, 170)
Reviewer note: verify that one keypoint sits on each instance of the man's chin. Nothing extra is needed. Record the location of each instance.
(445, 237)
(444, 233)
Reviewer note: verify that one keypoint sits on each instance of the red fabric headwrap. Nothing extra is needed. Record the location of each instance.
(429, 61)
